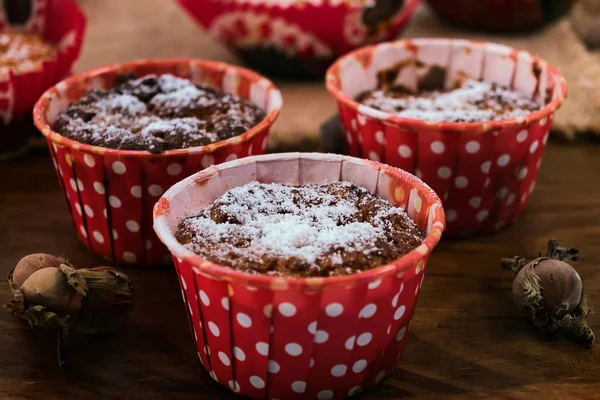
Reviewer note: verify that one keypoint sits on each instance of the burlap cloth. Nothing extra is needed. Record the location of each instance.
(124, 30)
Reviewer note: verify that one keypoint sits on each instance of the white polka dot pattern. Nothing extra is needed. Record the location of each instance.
(334, 309)
(359, 366)
(438, 147)
(466, 172)
(244, 320)
(119, 168)
(257, 382)
(299, 386)
(136, 191)
(239, 353)
(368, 311)
(293, 349)
(364, 339)
(350, 342)
(339, 370)
(444, 172)
(472, 146)
(404, 151)
(262, 348)
(273, 367)
(451, 215)
(461, 182)
(132, 226)
(174, 169)
(321, 337)
(325, 395)
(99, 188)
(224, 359)
(287, 309)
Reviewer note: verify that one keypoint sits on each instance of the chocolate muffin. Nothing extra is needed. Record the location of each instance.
(20, 52)
(473, 101)
(300, 231)
(24, 51)
(156, 114)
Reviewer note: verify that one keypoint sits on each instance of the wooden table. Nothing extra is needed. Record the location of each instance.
(468, 340)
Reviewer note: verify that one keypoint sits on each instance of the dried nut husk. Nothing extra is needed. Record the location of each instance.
(550, 292)
(108, 301)
(49, 298)
(32, 263)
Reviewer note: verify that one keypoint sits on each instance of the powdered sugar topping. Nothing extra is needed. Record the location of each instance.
(157, 113)
(474, 101)
(317, 226)
(124, 103)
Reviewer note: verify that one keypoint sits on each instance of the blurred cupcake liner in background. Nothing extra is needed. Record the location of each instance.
(296, 39)
(61, 24)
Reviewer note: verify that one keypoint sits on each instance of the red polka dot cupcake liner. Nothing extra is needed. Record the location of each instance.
(314, 32)
(484, 172)
(312, 338)
(59, 22)
(110, 193)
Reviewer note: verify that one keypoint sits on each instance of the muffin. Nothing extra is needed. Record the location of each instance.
(121, 135)
(300, 231)
(469, 101)
(293, 39)
(314, 333)
(500, 16)
(35, 53)
(470, 118)
(156, 113)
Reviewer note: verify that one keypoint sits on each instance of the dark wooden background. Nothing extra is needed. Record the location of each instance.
(468, 340)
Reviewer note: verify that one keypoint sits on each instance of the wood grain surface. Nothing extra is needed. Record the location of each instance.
(468, 340)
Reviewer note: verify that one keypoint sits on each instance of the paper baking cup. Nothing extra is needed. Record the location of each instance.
(312, 32)
(484, 172)
(111, 192)
(60, 22)
(313, 338)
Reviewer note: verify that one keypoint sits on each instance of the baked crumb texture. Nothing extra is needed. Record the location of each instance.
(473, 101)
(21, 50)
(310, 230)
(157, 113)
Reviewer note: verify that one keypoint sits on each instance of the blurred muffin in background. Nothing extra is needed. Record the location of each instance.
(39, 42)
(500, 15)
(585, 19)
(299, 39)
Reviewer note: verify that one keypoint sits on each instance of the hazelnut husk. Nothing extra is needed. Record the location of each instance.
(108, 301)
(550, 292)
(94, 300)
